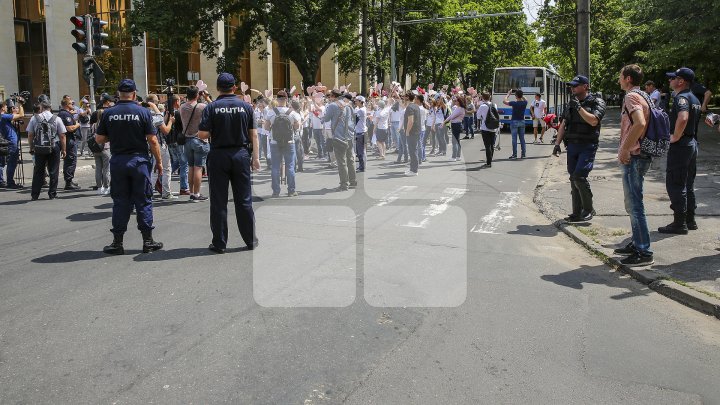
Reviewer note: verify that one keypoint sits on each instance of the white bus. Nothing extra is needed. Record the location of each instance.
(531, 80)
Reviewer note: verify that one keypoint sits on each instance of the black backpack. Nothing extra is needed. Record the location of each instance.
(492, 119)
(44, 134)
(282, 127)
(91, 142)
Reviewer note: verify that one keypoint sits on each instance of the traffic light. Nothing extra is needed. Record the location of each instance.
(80, 34)
(98, 36)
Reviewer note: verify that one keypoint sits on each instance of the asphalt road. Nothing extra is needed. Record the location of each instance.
(444, 288)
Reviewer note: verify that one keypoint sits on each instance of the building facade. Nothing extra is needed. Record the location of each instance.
(36, 34)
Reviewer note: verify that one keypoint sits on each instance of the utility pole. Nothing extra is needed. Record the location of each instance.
(583, 38)
(364, 54)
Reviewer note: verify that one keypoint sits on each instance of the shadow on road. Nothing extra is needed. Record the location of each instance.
(89, 216)
(546, 231)
(181, 253)
(74, 256)
(600, 275)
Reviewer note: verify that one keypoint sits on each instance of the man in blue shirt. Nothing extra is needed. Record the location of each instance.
(229, 123)
(339, 114)
(7, 130)
(682, 156)
(129, 129)
(517, 121)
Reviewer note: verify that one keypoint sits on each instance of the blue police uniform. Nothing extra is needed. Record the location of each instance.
(7, 130)
(682, 156)
(70, 162)
(582, 145)
(229, 121)
(126, 125)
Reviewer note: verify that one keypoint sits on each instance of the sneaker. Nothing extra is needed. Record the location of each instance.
(15, 186)
(169, 196)
(636, 260)
(512, 157)
(184, 192)
(107, 191)
(522, 156)
(275, 195)
(457, 159)
(71, 186)
(410, 173)
(201, 197)
(627, 250)
(292, 194)
(101, 191)
(341, 188)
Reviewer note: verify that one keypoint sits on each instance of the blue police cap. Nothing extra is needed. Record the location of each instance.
(578, 80)
(225, 81)
(683, 72)
(127, 86)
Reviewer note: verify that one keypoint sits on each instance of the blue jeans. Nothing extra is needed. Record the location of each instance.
(10, 160)
(196, 152)
(319, 141)
(580, 159)
(402, 146)
(440, 130)
(633, 176)
(177, 153)
(287, 152)
(421, 146)
(517, 129)
(393, 138)
(468, 126)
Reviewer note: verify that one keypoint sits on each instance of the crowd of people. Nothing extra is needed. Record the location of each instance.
(343, 130)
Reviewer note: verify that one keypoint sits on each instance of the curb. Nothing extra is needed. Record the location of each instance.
(654, 280)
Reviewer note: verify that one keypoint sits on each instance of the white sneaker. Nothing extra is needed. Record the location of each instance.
(452, 159)
(101, 191)
(457, 159)
(410, 173)
(107, 191)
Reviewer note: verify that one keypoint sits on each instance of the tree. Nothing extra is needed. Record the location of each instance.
(303, 29)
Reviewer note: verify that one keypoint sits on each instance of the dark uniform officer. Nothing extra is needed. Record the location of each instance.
(230, 125)
(129, 129)
(682, 156)
(581, 130)
(72, 127)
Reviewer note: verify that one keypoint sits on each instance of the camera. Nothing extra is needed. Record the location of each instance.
(20, 98)
(712, 119)
(170, 82)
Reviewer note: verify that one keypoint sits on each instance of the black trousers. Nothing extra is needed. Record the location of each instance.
(681, 171)
(52, 162)
(70, 162)
(230, 167)
(489, 141)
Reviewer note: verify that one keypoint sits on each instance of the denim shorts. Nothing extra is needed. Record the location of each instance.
(196, 152)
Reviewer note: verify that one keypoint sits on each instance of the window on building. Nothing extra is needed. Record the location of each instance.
(281, 69)
(31, 46)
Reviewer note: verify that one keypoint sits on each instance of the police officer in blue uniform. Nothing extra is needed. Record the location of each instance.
(230, 125)
(128, 127)
(682, 156)
(581, 130)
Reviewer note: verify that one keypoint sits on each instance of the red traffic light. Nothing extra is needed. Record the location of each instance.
(78, 21)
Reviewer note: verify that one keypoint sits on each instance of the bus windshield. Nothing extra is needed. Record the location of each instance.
(528, 80)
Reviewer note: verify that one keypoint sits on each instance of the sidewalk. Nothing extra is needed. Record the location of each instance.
(84, 171)
(687, 267)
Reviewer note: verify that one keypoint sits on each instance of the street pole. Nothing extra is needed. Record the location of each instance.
(583, 38)
(364, 56)
(90, 55)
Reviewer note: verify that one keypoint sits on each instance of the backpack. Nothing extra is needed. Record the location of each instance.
(91, 142)
(83, 119)
(44, 136)
(656, 141)
(492, 119)
(282, 127)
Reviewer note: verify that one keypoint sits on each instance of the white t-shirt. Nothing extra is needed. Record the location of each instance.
(481, 114)
(539, 108)
(361, 117)
(655, 97)
(294, 117)
(402, 114)
(439, 115)
(382, 118)
(427, 116)
(396, 116)
(317, 119)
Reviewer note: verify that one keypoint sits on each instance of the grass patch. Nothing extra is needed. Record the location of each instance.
(685, 284)
(618, 232)
(591, 232)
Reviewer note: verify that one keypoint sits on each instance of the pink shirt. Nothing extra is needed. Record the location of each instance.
(632, 102)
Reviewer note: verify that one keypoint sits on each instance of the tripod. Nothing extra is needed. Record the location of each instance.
(20, 170)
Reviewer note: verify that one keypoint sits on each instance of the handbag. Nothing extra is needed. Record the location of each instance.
(182, 138)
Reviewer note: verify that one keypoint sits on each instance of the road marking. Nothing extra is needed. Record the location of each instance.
(438, 206)
(501, 214)
(394, 195)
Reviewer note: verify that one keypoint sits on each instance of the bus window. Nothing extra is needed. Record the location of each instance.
(528, 80)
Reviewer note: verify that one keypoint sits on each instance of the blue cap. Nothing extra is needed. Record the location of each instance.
(127, 86)
(225, 81)
(578, 80)
(683, 72)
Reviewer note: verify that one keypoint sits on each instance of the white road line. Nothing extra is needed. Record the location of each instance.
(501, 214)
(438, 206)
(394, 195)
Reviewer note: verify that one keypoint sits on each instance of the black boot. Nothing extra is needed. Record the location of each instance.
(576, 204)
(116, 247)
(690, 221)
(678, 226)
(149, 245)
